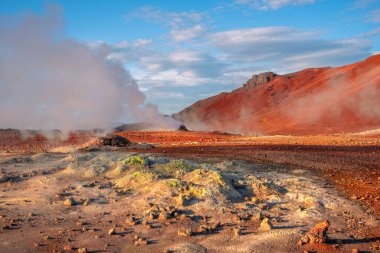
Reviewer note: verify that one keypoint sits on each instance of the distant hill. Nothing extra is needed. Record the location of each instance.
(312, 101)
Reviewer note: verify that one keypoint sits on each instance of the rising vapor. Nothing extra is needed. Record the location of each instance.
(51, 82)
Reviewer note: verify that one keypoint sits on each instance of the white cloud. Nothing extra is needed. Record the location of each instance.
(122, 44)
(272, 4)
(141, 42)
(371, 33)
(137, 43)
(185, 55)
(186, 63)
(184, 26)
(124, 51)
(171, 78)
(187, 34)
(165, 94)
(167, 18)
(286, 48)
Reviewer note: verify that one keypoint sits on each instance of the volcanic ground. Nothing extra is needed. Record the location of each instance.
(190, 192)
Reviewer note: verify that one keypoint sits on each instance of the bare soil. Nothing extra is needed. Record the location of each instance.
(297, 182)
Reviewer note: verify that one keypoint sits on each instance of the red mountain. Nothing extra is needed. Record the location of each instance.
(312, 101)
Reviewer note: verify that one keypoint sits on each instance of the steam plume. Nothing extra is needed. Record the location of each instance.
(50, 82)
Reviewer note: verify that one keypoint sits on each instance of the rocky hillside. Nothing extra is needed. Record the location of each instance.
(311, 101)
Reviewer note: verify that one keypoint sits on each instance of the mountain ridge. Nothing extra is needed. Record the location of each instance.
(322, 100)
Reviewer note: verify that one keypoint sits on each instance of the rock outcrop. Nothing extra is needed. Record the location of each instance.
(260, 79)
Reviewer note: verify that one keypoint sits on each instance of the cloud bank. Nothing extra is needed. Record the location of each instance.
(288, 48)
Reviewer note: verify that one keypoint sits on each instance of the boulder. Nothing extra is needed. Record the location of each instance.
(316, 235)
(114, 140)
(182, 128)
(266, 225)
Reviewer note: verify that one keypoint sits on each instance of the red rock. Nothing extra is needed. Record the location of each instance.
(316, 235)
(67, 248)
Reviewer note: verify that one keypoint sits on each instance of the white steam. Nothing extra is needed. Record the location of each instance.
(50, 82)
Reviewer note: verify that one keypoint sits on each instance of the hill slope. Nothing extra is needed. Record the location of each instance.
(311, 101)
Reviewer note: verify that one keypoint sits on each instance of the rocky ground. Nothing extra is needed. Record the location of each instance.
(199, 193)
(350, 162)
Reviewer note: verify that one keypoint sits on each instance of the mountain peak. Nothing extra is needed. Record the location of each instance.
(260, 79)
(310, 101)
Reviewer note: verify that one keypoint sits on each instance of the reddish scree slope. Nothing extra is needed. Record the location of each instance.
(311, 101)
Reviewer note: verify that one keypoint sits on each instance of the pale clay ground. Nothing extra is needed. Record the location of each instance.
(107, 187)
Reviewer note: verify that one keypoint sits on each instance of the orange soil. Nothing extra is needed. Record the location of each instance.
(13, 141)
(172, 138)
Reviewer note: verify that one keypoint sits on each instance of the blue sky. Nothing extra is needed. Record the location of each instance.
(183, 51)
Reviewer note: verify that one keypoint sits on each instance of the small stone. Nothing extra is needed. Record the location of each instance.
(215, 225)
(266, 225)
(181, 200)
(163, 216)
(112, 231)
(48, 237)
(69, 202)
(131, 221)
(255, 200)
(140, 242)
(3, 178)
(236, 232)
(264, 206)
(355, 251)
(151, 216)
(146, 224)
(67, 248)
(257, 216)
(82, 250)
(202, 229)
(36, 244)
(183, 217)
(184, 232)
